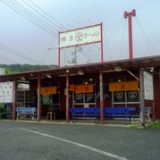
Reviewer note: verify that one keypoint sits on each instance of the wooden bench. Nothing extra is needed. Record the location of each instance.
(95, 113)
(117, 112)
(147, 110)
(26, 111)
(84, 112)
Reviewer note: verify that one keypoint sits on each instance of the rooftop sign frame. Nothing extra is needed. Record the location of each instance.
(80, 36)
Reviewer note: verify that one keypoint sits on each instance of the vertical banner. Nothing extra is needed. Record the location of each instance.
(148, 86)
(6, 92)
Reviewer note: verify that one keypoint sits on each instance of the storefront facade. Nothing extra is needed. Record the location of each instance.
(99, 85)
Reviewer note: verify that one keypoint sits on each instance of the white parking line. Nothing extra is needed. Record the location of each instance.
(77, 144)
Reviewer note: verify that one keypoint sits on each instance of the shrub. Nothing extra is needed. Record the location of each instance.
(3, 112)
(133, 127)
(154, 125)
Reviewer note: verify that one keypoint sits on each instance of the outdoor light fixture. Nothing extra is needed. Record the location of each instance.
(118, 69)
(80, 73)
(152, 69)
(48, 76)
(23, 79)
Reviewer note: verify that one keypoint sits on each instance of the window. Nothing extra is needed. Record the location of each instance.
(80, 98)
(84, 97)
(133, 96)
(89, 98)
(125, 96)
(119, 96)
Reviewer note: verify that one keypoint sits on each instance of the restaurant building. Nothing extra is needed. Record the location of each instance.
(124, 83)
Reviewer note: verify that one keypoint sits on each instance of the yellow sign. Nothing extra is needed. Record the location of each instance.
(124, 86)
(86, 88)
(48, 90)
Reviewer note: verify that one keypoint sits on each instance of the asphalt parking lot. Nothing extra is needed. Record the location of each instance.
(39, 141)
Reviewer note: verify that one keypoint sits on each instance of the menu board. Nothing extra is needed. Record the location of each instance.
(6, 92)
(148, 86)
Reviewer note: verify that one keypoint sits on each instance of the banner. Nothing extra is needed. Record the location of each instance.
(72, 87)
(124, 86)
(148, 86)
(86, 88)
(48, 90)
(6, 92)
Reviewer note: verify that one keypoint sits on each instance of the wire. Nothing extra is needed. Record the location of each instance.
(107, 45)
(14, 52)
(48, 51)
(19, 11)
(41, 15)
(34, 16)
(109, 37)
(92, 54)
(37, 19)
(124, 27)
(47, 14)
(114, 29)
(144, 35)
(6, 59)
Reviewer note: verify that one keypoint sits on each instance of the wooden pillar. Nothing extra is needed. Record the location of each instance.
(142, 96)
(39, 98)
(101, 97)
(67, 97)
(14, 100)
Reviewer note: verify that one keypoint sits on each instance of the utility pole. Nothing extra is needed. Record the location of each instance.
(129, 15)
(74, 54)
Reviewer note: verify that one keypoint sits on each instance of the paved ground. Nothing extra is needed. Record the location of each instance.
(39, 141)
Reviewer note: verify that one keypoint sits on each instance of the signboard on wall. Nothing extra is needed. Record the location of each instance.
(6, 92)
(148, 86)
(124, 86)
(87, 35)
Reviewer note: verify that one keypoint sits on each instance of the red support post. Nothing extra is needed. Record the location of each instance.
(129, 15)
(153, 111)
(101, 97)
(67, 97)
(101, 43)
(14, 99)
(59, 50)
(39, 98)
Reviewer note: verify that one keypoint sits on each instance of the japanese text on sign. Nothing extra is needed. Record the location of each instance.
(6, 92)
(80, 36)
(148, 86)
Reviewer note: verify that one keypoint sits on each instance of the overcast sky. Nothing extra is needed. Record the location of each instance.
(29, 27)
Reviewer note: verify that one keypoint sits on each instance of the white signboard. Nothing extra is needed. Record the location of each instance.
(148, 86)
(80, 36)
(6, 92)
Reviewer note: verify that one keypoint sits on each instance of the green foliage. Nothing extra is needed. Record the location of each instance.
(3, 112)
(154, 125)
(17, 68)
(133, 127)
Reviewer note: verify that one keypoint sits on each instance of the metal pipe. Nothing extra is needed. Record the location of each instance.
(129, 15)
(101, 96)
